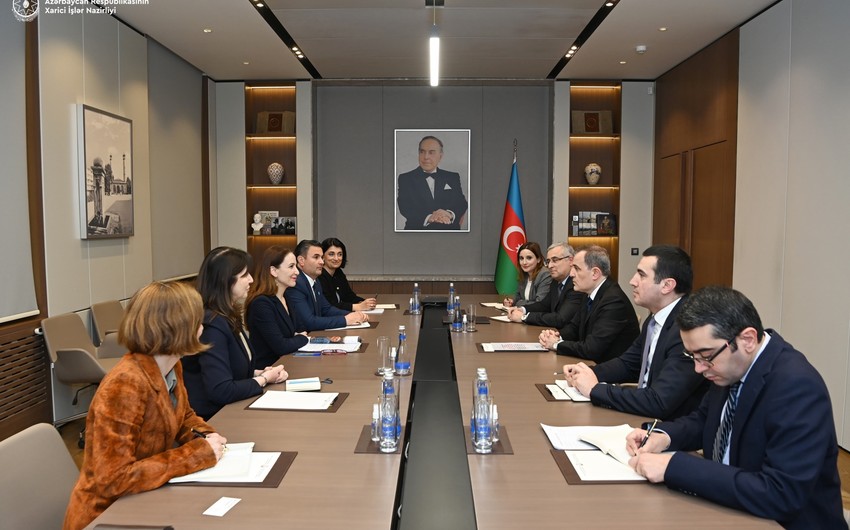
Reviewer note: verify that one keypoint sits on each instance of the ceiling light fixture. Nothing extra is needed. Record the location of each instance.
(434, 45)
(207, 30)
(662, 29)
(622, 62)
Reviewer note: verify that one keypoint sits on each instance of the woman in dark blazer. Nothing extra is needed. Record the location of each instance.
(273, 330)
(226, 371)
(334, 283)
(534, 279)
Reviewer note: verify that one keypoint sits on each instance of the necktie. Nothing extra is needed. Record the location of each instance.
(589, 304)
(721, 440)
(647, 347)
(316, 295)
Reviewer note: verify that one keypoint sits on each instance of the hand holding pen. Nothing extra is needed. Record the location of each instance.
(217, 442)
(648, 433)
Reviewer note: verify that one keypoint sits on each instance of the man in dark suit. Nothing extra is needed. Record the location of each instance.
(765, 426)
(562, 302)
(605, 324)
(311, 309)
(431, 198)
(667, 386)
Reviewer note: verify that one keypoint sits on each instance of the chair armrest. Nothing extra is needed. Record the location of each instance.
(110, 348)
(77, 366)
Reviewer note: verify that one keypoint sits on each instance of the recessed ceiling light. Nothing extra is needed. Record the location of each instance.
(207, 30)
(573, 47)
(245, 63)
(622, 62)
(609, 4)
(662, 29)
(295, 48)
(259, 4)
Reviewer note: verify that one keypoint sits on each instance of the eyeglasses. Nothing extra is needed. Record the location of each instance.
(555, 260)
(707, 361)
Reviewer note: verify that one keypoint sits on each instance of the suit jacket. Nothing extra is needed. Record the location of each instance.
(338, 291)
(311, 313)
(673, 387)
(272, 331)
(221, 375)
(136, 440)
(416, 203)
(605, 331)
(783, 449)
(554, 311)
(539, 289)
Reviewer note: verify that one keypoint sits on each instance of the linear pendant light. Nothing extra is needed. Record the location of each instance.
(434, 47)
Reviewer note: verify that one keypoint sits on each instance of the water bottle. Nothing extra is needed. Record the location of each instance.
(416, 304)
(402, 360)
(389, 414)
(457, 316)
(450, 306)
(482, 439)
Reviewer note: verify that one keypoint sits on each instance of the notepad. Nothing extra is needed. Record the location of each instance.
(609, 440)
(595, 466)
(501, 318)
(235, 462)
(495, 305)
(512, 346)
(386, 306)
(303, 385)
(283, 400)
(376, 311)
(562, 391)
(346, 345)
(353, 326)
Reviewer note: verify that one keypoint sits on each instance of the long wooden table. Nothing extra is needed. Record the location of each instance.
(329, 486)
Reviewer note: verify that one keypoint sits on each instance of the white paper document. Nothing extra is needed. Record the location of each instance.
(512, 346)
(495, 305)
(562, 391)
(239, 463)
(283, 400)
(564, 438)
(353, 326)
(222, 506)
(595, 465)
(303, 385)
(385, 306)
(350, 347)
(376, 311)
(501, 318)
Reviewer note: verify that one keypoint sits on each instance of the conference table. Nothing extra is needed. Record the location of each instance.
(329, 486)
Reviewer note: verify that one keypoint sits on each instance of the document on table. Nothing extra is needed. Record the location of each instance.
(495, 305)
(239, 463)
(562, 391)
(512, 346)
(349, 347)
(303, 385)
(597, 466)
(501, 318)
(376, 311)
(353, 326)
(386, 306)
(609, 440)
(283, 400)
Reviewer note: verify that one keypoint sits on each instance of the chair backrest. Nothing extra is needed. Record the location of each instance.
(38, 476)
(66, 331)
(105, 318)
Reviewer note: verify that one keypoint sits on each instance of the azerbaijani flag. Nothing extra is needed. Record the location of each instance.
(513, 236)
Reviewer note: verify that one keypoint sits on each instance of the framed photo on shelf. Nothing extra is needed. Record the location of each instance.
(283, 226)
(592, 122)
(105, 154)
(606, 224)
(276, 122)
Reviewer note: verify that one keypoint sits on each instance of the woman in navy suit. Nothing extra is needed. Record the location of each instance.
(273, 329)
(226, 371)
(335, 285)
(534, 279)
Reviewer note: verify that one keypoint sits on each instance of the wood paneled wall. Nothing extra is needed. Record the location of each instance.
(695, 158)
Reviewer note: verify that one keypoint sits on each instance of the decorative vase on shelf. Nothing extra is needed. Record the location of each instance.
(275, 171)
(592, 173)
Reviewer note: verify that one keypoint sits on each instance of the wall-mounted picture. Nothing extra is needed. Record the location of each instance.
(105, 145)
(432, 180)
(283, 226)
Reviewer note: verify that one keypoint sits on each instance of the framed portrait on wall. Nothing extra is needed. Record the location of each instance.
(105, 153)
(432, 180)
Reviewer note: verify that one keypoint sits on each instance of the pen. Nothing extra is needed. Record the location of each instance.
(651, 428)
(559, 373)
(199, 434)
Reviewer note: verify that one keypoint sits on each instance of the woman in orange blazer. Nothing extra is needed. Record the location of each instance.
(140, 430)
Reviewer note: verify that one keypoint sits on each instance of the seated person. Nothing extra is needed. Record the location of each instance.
(765, 427)
(271, 325)
(225, 372)
(139, 427)
(605, 324)
(307, 302)
(534, 280)
(667, 386)
(334, 283)
(562, 302)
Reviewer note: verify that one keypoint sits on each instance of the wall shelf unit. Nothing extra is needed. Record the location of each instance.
(270, 137)
(588, 203)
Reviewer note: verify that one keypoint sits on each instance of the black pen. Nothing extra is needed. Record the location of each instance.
(199, 434)
(651, 428)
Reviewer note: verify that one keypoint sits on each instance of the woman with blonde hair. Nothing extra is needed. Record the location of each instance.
(274, 330)
(534, 279)
(226, 371)
(140, 429)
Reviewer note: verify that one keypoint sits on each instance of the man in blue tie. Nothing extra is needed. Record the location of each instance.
(667, 386)
(311, 309)
(765, 426)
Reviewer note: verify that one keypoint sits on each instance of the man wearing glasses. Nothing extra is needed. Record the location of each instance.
(765, 426)
(562, 302)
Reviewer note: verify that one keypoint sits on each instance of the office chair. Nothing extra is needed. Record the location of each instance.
(75, 358)
(105, 318)
(38, 476)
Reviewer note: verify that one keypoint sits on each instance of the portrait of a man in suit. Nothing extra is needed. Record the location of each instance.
(430, 197)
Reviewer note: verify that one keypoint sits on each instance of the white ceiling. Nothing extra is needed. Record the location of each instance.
(480, 39)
